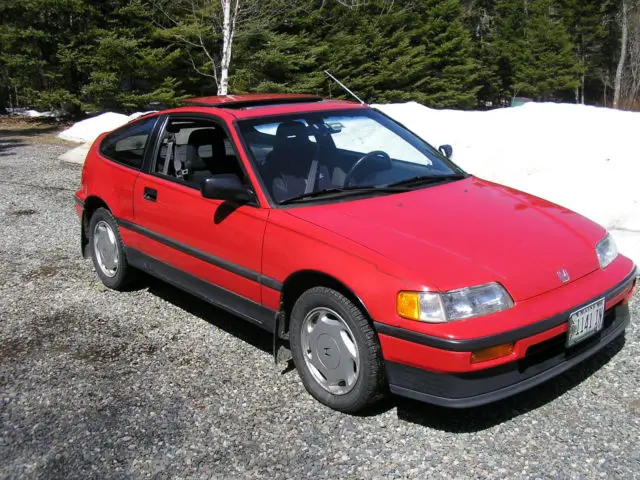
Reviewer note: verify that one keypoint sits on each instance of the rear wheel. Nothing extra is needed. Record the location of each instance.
(336, 351)
(107, 251)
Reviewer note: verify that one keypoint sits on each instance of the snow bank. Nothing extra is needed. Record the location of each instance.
(77, 154)
(584, 158)
(23, 112)
(91, 128)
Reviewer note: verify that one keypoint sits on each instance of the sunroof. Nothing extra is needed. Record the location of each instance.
(245, 103)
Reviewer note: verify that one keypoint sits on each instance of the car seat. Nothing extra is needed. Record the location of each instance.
(290, 160)
(211, 156)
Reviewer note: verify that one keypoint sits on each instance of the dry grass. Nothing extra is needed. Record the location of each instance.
(632, 105)
(33, 130)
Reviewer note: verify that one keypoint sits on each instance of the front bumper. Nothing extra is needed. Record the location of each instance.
(448, 379)
(464, 390)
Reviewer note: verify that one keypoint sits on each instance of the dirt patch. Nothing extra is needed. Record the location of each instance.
(43, 331)
(98, 352)
(32, 130)
(23, 213)
(12, 347)
(43, 271)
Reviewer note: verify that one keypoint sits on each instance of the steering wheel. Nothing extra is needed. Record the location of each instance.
(376, 154)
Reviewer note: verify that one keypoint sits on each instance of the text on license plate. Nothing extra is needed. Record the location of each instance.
(585, 322)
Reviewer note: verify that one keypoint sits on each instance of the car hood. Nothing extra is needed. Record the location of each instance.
(468, 232)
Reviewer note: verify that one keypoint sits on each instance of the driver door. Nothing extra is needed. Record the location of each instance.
(213, 246)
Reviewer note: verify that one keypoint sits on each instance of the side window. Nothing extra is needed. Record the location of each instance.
(127, 145)
(191, 150)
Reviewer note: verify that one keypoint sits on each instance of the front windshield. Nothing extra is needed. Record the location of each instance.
(306, 155)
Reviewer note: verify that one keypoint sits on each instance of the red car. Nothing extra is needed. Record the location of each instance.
(379, 263)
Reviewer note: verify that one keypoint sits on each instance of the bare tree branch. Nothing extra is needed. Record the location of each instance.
(202, 72)
(352, 3)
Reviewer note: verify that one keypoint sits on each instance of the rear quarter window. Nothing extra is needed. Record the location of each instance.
(128, 144)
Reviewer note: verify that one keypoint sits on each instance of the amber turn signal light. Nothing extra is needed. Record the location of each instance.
(408, 305)
(492, 353)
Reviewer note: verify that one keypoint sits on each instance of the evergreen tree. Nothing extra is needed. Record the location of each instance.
(110, 54)
(422, 53)
(533, 51)
(481, 23)
(584, 23)
(425, 55)
(550, 70)
(128, 68)
(77, 54)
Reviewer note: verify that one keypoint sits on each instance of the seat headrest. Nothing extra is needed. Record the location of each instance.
(186, 154)
(213, 137)
(292, 132)
(205, 136)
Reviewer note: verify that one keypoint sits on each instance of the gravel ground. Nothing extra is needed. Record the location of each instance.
(153, 382)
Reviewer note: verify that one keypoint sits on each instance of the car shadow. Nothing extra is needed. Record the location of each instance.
(487, 416)
(30, 131)
(236, 326)
(8, 144)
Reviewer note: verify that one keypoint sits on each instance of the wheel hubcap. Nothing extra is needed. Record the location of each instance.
(105, 248)
(330, 351)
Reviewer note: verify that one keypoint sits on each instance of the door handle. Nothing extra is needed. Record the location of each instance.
(150, 194)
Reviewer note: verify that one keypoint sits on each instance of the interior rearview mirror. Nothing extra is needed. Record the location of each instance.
(226, 186)
(446, 150)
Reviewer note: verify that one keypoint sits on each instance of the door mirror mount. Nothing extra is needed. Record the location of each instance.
(227, 187)
(446, 150)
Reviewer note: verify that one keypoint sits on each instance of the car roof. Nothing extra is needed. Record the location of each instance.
(262, 105)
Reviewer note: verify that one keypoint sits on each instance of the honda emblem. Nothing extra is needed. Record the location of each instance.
(563, 275)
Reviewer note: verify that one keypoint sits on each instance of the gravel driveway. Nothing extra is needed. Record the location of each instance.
(99, 384)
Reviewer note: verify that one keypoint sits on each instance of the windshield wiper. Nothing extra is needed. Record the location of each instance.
(426, 180)
(343, 192)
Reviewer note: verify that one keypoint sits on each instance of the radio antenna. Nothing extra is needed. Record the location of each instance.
(344, 87)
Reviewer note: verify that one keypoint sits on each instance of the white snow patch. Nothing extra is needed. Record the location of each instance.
(23, 112)
(582, 157)
(91, 128)
(35, 114)
(77, 154)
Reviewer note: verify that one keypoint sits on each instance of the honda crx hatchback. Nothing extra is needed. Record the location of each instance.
(371, 258)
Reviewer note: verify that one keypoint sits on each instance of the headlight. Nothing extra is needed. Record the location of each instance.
(606, 250)
(453, 305)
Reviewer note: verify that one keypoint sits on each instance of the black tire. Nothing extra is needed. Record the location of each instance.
(124, 274)
(370, 385)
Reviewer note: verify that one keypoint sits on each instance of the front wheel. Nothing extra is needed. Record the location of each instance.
(336, 351)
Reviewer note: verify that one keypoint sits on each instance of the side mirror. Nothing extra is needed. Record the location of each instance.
(226, 186)
(446, 150)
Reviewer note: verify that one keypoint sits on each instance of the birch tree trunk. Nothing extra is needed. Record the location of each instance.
(228, 30)
(623, 53)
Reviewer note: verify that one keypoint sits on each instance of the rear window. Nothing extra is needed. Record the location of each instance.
(127, 145)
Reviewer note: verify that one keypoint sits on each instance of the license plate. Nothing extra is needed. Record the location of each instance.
(585, 322)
